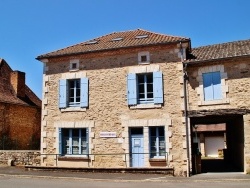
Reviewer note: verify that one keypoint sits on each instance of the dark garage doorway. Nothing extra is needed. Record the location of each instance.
(231, 158)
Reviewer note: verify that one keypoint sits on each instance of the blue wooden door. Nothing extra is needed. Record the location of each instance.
(137, 156)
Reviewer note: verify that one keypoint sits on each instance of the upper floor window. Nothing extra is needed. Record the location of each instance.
(212, 86)
(157, 142)
(73, 93)
(74, 65)
(143, 58)
(73, 141)
(145, 88)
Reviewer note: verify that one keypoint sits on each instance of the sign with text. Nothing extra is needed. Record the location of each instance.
(108, 134)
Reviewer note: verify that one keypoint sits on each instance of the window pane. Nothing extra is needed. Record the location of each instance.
(75, 132)
(77, 83)
(71, 92)
(161, 131)
(140, 78)
(150, 78)
(71, 83)
(78, 99)
(153, 131)
(143, 58)
(78, 91)
(150, 95)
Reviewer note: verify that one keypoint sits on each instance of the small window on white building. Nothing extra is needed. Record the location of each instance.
(143, 58)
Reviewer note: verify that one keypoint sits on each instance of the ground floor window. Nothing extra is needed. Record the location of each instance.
(74, 141)
(157, 142)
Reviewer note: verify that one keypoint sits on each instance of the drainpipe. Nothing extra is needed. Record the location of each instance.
(185, 79)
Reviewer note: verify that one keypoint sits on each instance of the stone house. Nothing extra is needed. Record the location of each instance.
(218, 94)
(20, 111)
(119, 101)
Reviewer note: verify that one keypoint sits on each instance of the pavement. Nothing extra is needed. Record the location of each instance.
(20, 171)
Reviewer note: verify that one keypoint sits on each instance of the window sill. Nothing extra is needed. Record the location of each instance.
(144, 63)
(73, 70)
(71, 158)
(73, 109)
(145, 106)
(157, 160)
(213, 102)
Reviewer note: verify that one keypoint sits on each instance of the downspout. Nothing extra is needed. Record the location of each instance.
(185, 78)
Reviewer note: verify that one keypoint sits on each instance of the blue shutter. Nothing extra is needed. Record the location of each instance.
(84, 92)
(62, 93)
(217, 93)
(60, 140)
(131, 89)
(207, 86)
(158, 87)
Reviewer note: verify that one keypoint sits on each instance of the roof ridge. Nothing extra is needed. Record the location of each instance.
(230, 42)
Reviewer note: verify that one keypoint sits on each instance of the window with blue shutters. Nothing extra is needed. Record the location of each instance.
(145, 88)
(73, 93)
(73, 141)
(212, 86)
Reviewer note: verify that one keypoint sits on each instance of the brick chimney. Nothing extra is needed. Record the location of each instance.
(17, 80)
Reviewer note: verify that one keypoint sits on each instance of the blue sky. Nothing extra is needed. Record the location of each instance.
(29, 28)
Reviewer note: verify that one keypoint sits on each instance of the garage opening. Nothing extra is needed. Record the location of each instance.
(217, 144)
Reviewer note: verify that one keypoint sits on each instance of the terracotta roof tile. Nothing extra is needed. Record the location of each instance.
(131, 38)
(221, 51)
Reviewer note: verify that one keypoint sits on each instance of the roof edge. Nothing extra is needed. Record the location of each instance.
(103, 50)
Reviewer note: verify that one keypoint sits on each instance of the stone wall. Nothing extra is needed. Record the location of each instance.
(108, 110)
(20, 157)
(235, 74)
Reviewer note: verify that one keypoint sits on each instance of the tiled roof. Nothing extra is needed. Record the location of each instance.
(221, 51)
(8, 95)
(117, 40)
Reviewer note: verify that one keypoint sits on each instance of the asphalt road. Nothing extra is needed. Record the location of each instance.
(34, 182)
(16, 177)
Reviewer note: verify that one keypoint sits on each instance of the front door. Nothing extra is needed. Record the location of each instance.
(137, 156)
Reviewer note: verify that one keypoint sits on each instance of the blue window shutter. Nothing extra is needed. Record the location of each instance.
(131, 89)
(208, 86)
(217, 93)
(62, 93)
(84, 92)
(158, 87)
(60, 140)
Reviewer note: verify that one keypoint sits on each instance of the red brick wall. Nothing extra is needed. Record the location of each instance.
(19, 127)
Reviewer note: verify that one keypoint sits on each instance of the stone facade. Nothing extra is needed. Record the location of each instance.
(108, 110)
(234, 104)
(20, 157)
(113, 121)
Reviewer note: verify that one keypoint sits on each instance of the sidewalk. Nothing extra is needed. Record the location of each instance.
(21, 172)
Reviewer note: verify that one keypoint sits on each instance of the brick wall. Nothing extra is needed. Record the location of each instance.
(20, 128)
